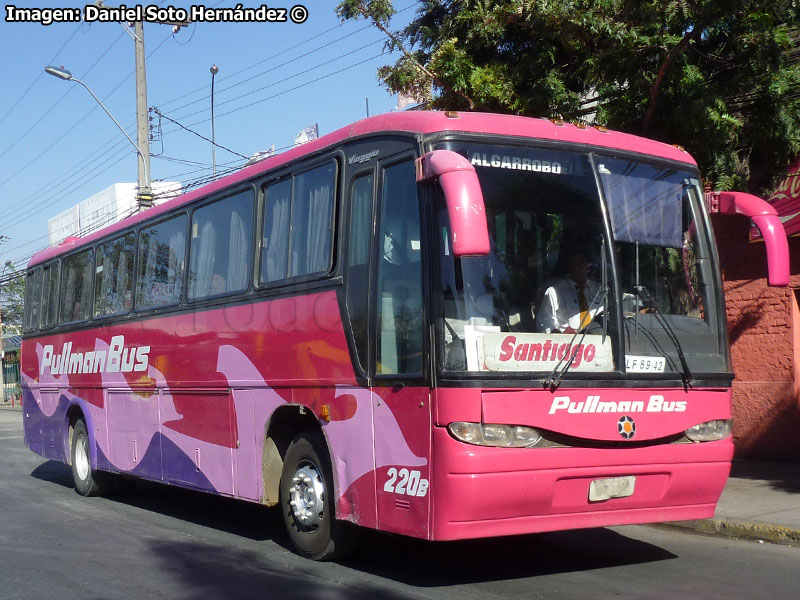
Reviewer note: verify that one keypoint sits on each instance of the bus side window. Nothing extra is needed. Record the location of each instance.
(311, 241)
(113, 278)
(275, 231)
(76, 287)
(50, 294)
(219, 251)
(162, 254)
(358, 260)
(33, 289)
(400, 309)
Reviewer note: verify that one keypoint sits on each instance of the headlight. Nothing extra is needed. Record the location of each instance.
(505, 436)
(710, 431)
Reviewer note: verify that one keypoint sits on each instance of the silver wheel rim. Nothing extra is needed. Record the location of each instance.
(82, 458)
(307, 495)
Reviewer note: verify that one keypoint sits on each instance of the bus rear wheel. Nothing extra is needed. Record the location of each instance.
(306, 500)
(87, 482)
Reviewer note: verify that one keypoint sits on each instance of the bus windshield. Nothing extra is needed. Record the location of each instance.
(597, 264)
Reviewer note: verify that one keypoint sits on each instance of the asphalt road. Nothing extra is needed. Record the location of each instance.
(161, 542)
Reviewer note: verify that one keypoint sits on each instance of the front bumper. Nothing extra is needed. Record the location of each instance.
(486, 492)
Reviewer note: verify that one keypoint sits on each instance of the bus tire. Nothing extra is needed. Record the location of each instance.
(306, 500)
(87, 482)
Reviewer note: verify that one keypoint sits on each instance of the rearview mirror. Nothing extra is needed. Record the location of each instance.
(766, 219)
(464, 199)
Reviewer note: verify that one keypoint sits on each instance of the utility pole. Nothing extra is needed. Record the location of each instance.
(145, 196)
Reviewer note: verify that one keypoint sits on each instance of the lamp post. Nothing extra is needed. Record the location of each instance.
(143, 196)
(214, 70)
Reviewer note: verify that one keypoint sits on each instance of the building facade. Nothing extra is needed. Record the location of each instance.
(103, 208)
(764, 329)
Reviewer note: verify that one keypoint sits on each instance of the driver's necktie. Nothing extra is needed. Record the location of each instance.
(584, 307)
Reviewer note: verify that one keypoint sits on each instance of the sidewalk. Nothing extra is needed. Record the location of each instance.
(761, 501)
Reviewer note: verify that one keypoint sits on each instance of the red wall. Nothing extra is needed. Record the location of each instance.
(764, 329)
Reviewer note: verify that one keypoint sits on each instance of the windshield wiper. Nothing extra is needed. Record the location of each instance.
(686, 375)
(561, 368)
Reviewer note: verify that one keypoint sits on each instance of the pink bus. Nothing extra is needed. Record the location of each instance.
(440, 325)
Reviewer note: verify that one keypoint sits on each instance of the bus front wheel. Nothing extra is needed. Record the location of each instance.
(306, 500)
(87, 482)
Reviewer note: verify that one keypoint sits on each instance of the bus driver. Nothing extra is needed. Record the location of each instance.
(565, 305)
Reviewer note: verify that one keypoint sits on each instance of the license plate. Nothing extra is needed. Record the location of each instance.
(613, 487)
(644, 364)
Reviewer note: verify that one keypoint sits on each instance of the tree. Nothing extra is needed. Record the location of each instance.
(12, 299)
(718, 77)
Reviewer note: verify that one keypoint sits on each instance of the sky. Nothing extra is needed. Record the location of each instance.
(57, 147)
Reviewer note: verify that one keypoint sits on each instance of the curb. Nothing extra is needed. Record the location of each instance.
(732, 528)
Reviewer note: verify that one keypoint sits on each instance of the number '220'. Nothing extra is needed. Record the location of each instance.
(408, 482)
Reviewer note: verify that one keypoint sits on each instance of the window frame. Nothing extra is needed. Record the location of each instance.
(254, 189)
(136, 309)
(90, 249)
(96, 247)
(57, 265)
(424, 376)
(291, 174)
(27, 301)
(361, 363)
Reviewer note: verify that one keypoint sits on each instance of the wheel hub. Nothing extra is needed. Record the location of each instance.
(307, 495)
(82, 458)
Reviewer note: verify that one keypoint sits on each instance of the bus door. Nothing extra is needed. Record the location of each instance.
(400, 388)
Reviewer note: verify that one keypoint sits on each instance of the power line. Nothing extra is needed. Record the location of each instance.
(207, 168)
(79, 121)
(200, 180)
(232, 75)
(276, 55)
(223, 90)
(20, 265)
(122, 152)
(158, 195)
(113, 141)
(240, 71)
(297, 87)
(63, 183)
(39, 76)
(57, 102)
(21, 262)
(160, 114)
(279, 81)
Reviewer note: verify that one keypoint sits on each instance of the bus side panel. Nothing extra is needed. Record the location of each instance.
(54, 427)
(350, 436)
(134, 440)
(163, 388)
(246, 457)
(402, 453)
(199, 425)
(32, 417)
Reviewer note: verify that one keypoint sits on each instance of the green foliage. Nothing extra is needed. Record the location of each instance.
(718, 77)
(12, 299)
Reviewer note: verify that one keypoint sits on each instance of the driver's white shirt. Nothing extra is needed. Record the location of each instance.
(560, 307)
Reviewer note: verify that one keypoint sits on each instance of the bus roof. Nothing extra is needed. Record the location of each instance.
(415, 122)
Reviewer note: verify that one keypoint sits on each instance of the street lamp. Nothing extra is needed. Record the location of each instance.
(214, 70)
(144, 185)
